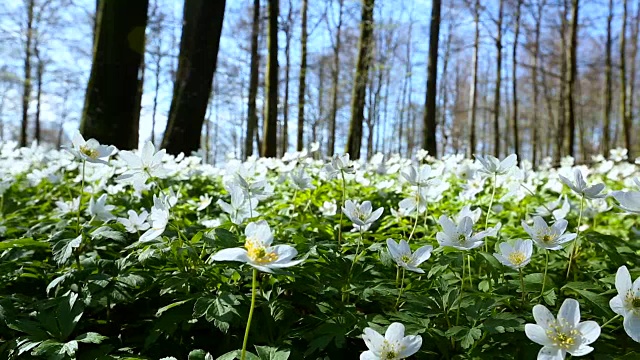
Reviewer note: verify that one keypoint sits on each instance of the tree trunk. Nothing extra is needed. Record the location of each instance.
(303, 75)
(496, 97)
(571, 76)
(534, 78)
(39, 75)
(429, 128)
(624, 113)
(562, 114)
(514, 79)
(156, 91)
(444, 88)
(365, 50)
(111, 111)
(608, 92)
(270, 136)
(252, 116)
(287, 55)
(201, 29)
(632, 75)
(335, 75)
(473, 96)
(26, 95)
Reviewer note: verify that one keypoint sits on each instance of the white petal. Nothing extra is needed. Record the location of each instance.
(570, 311)
(537, 334)
(542, 315)
(411, 345)
(581, 351)
(231, 254)
(368, 355)
(590, 331)
(551, 353)
(375, 215)
(623, 281)
(151, 234)
(394, 250)
(632, 326)
(373, 339)
(422, 254)
(395, 332)
(617, 305)
(509, 162)
(447, 225)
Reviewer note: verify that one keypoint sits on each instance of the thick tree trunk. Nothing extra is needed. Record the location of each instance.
(335, 75)
(571, 76)
(303, 74)
(514, 79)
(354, 140)
(112, 103)
(201, 29)
(270, 136)
(429, 128)
(26, 95)
(39, 75)
(473, 95)
(252, 116)
(496, 97)
(608, 92)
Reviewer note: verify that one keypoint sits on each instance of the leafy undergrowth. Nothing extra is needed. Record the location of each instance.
(102, 283)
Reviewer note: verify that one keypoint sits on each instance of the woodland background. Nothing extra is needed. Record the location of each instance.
(540, 78)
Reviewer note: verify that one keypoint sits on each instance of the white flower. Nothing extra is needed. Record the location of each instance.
(627, 302)
(629, 200)
(466, 211)
(581, 188)
(491, 165)
(328, 208)
(301, 181)
(66, 207)
(563, 335)
(338, 165)
(618, 154)
(394, 345)
(459, 236)
(203, 203)
(258, 251)
(145, 165)
(418, 177)
(100, 209)
(90, 150)
(558, 208)
(135, 222)
(516, 256)
(548, 237)
(418, 202)
(159, 219)
(240, 207)
(401, 254)
(361, 214)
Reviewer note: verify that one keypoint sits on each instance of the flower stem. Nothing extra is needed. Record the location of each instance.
(576, 244)
(401, 288)
(486, 220)
(469, 263)
(254, 286)
(415, 223)
(546, 266)
(610, 321)
(344, 195)
(460, 295)
(522, 284)
(80, 201)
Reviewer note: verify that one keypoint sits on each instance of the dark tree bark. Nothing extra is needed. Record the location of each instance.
(624, 111)
(270, 141)
(302, 81)
(473, 96)
(608, 92)
(39, 75)
(201, 29)
(354, 140)
(571, 76)
(287, 71)
(112, 103)
(429, 129)
(534, 79)
(496, 96)
(26, 95)
(252, 116)
(632, 72)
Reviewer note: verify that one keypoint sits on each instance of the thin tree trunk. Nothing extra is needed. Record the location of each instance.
(444, 88)
(624, 113)
(562, 114)
(534, 79)
(429, 126)
(335, 75)
(473, 96)
(354, 140)
(26, 95)
(632, 74)
(270, 142)
(303, 74)
(287, 55)
(39, 75)
(514, 79)
(571, 76)
(496, 97)
(252, 116)
(156, 91)
(608, 92)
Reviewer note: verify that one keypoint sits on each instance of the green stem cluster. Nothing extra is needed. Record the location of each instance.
(254, 286)
(576, 244)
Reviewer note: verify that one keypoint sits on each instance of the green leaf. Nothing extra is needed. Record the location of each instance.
(107, 232)
(69, 313)
(91, 338)
(271, 353)
(165, 308)
(29, 243)
(550, 297)
(599, 302)
(470, 337)
(63, 249)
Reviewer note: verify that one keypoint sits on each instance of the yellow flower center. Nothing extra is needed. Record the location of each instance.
(517, 257)
(461, 238)
(258, 253)
(548, 238)
(563, 337)
(90, 152)
(406, 259)
(635, 302)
